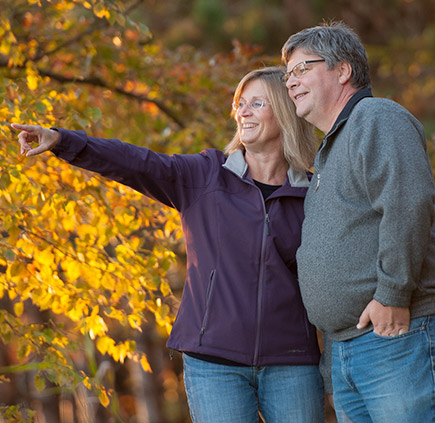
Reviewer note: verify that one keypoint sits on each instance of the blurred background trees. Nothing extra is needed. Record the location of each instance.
(91, 272)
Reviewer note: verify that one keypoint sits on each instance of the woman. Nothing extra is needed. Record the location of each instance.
(247, 345)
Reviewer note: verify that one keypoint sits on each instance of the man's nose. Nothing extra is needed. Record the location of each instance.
(292, 82)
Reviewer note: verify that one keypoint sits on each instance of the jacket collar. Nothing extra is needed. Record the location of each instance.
(236, 163)
(345, 113)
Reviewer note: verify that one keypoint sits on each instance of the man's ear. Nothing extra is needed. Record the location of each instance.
(344, 72)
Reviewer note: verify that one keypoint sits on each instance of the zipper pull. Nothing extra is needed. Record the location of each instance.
(318, 182)
(267, 221)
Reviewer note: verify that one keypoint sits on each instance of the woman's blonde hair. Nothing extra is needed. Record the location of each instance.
(298, 140)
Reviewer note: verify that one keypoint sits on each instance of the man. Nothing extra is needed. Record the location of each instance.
(367, 259)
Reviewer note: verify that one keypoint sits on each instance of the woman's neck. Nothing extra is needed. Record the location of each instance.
(267, 167)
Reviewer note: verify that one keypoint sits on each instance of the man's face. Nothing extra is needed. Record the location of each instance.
(315, 93)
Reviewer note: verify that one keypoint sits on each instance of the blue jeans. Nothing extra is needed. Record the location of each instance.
(218, 393)
(378, 379)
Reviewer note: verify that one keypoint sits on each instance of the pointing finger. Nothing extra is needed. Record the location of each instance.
(27, 128)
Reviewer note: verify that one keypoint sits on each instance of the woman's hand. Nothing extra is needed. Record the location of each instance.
(47, 139)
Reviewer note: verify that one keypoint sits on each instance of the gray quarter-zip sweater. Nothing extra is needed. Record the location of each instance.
(369, 219)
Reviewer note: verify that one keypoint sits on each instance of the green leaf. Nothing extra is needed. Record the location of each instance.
(23, 351)
(40, 107)
(40, 382)
(48, 335)
(93, 113)
(9, 255)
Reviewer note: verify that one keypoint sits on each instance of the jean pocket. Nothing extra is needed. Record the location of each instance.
(416, 325)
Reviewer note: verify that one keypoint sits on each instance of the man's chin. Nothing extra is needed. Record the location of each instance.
(300, 112)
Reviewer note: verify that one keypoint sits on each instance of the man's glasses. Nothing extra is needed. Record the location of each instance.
(253, 105)
(300, 69)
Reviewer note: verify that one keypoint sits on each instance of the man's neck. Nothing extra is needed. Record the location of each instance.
(345, 112)
(340, 104)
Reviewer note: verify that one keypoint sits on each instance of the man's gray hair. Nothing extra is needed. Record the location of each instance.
(336, 43)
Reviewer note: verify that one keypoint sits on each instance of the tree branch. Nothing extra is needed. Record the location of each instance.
(100, 83)
(94, 26)
(94, 80)
(97, 82)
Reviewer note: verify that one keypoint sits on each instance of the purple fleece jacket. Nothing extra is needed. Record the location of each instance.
(241, 299)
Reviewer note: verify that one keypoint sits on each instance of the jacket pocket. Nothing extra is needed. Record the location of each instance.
(207, 304)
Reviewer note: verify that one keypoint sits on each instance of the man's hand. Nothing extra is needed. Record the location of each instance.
(330, 398)
(386, 320)
(47, 139)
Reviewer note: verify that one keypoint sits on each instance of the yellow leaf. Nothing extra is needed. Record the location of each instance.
(87, 383)
(100, 11)
(23, 351)
(57, 308)
(72, 270)
(120, 353)
(84, 230)
(69, 223)
(165, 288)
(47, 104)
(116, 314)
(18, 309)
(104, 399)
(96, 325)
(46, 257)
(135, 322)
(5, 48)
(145, 365)
(107, 281)
(91, 334)
(105, 344)
(12, 294)
(17, 269)
(39, 382)
(32, 82)
(4, 379)
(80, 308)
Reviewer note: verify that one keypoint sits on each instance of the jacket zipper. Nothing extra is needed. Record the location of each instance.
(207, 304)
(318, 181)
(266, 222)
(266, 233)
(317, 168)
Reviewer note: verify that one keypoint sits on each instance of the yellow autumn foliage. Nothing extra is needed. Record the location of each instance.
(72, 243)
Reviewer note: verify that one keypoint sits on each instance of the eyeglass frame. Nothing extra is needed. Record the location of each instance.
(286, 76)
(236, 104)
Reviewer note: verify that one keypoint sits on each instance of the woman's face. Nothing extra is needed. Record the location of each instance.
(257, 127)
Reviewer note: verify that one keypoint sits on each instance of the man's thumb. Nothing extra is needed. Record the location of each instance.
(364, 320)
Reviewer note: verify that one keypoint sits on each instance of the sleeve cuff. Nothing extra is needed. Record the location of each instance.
(70, 145)
(388, 296)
